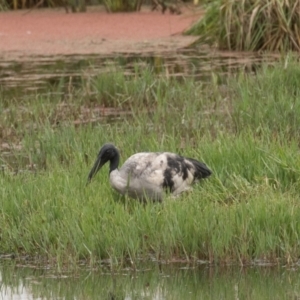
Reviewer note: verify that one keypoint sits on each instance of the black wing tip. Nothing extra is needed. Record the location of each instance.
(201, 169)
(205, 171)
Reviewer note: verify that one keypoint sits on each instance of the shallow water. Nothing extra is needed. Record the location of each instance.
(44, 73)
(152, 281)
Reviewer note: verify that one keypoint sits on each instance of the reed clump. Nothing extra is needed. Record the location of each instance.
(250, 25)
(122, 5)
(248, 134)
(68, 5)
(3, 5)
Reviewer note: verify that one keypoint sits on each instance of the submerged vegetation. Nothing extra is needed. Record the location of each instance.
(250, 25)
(247, 131)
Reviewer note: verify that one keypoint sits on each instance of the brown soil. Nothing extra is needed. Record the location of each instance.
(49, 32)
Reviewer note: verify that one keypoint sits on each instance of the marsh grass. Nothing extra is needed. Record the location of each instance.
(250, 25)
(68, 5)
(247, 134)
(3, 5)
(122, 5)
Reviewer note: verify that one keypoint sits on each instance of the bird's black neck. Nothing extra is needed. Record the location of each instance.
(114, 162)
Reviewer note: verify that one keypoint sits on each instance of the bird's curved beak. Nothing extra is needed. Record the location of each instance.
(96, 167)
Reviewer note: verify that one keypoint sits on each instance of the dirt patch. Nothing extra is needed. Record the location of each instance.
(47, 32)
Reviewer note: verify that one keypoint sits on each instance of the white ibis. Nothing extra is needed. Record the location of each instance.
(150, 175)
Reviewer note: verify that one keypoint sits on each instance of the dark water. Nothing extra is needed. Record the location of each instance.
(47, 73)
(151, 282)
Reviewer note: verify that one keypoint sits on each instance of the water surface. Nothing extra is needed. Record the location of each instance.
(151, 281)
(47, 73)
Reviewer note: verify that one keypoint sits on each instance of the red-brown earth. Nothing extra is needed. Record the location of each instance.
(40, 32)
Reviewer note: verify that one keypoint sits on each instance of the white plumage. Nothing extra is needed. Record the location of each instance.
(149, 175)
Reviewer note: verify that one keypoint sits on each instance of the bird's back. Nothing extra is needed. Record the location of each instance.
(149, 174)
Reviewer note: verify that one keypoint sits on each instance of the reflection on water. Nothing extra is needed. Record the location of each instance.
(19, 77)
(151, 282)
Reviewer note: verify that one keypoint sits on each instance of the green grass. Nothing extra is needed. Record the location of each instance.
(247, 133)
(269, 25)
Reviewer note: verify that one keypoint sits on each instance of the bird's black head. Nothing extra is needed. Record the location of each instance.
(108, 152)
